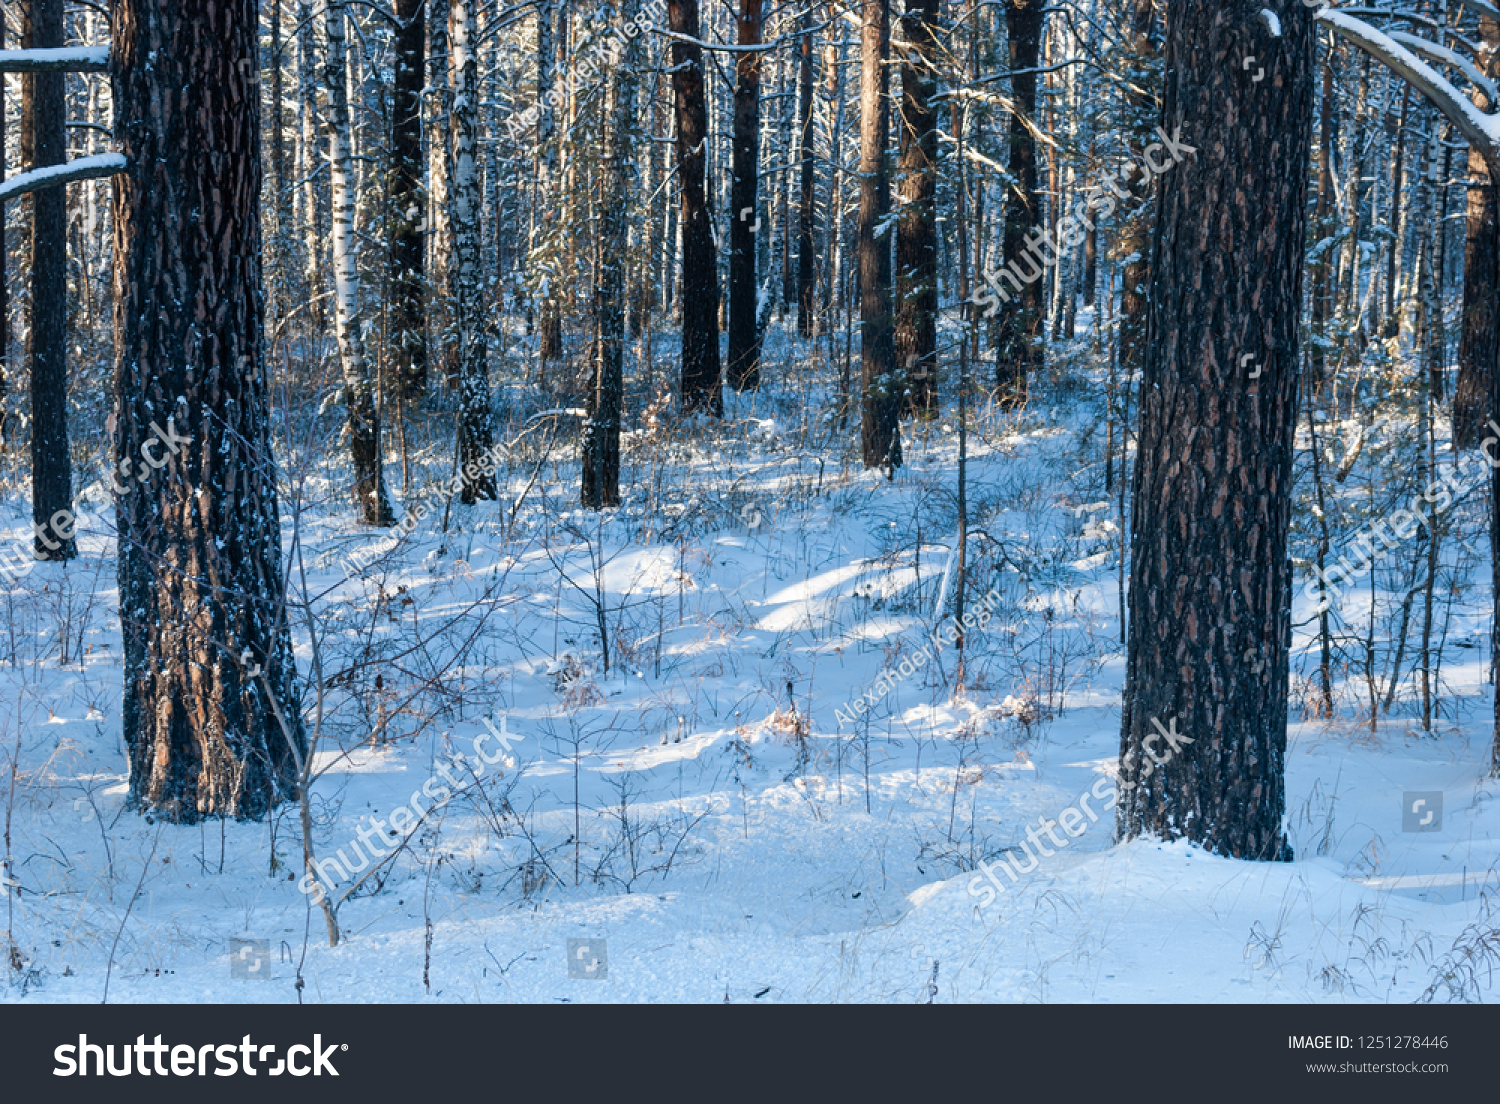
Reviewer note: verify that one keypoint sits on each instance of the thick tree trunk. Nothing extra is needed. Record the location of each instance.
(601, 447)
(701, 380)
(1019, 326)
(881, 387)
(208, 661)
(1479, 340)
(4, 287)
(916, 233)
(476, 434)
(408, 201)
(370, 500)
(744, 331)
(44, 142)
(1210, 585)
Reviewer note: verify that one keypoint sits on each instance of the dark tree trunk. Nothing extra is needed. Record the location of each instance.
(4, 287)
(1322, 269)
(44, 142)
(701, 379)
(1135, 240)
(1479, 342)
(807, 198)
(744, 333)
(601, 441)
(1210, 583)
(208, 661)
(881, 386)
(408, 202)
(1018, 329)
(916, 233)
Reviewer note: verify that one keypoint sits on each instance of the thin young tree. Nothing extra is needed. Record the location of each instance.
(807, 199)
(44, 142)
(744, 291)
(209, 675)
(702, 389)
(881, 388)
(1203, 741)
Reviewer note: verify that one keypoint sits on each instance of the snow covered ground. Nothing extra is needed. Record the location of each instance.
(696, 815)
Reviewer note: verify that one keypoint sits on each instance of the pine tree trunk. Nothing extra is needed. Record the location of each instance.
(1479, 340)
(744, 205)
(208, 661)
(601, 449)
(408, 201)
(807, 182)
(1135, 241)
(4, 287)
(476, 434)
(1019, 326)
(44, 142)
(1210, 583)
(881, 388)
(916, 233)
(701, 381)
(371, 503)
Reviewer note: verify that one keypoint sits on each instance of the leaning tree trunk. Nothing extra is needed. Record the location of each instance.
(476, 433)
(916, 233)
(701, 388)
(370, 500)
(208, 660)
(1203, 740)
(744, 332)
(1479, 341)
(881, 387)
(601, 444)
(408, 201)
(1018, 329)
(44, 142)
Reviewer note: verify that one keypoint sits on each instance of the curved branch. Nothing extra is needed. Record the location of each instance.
(1478, 127)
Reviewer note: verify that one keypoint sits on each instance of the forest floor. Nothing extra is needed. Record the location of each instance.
(695, 813)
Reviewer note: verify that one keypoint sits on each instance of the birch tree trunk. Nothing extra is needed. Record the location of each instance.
(476, 435)
(370, 501)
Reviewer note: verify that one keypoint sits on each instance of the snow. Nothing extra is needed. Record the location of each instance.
(670, 807)
(88, 55)
(30, 179)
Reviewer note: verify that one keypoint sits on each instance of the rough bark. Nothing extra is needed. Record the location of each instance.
(744, 291)
(916, 233)
(881, 388)
(1210, 586)
(807, 182)
(408, 201)
(601, 448)
(44, 142)
(476, 433)
(1479, 340)
(1019, 325)
(701, 381)
(1135, 239)
(208, 661)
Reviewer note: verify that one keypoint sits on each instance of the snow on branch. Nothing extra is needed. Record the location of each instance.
(1480, 128)
(1434, 52)
(72, 59)
(50, 176)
